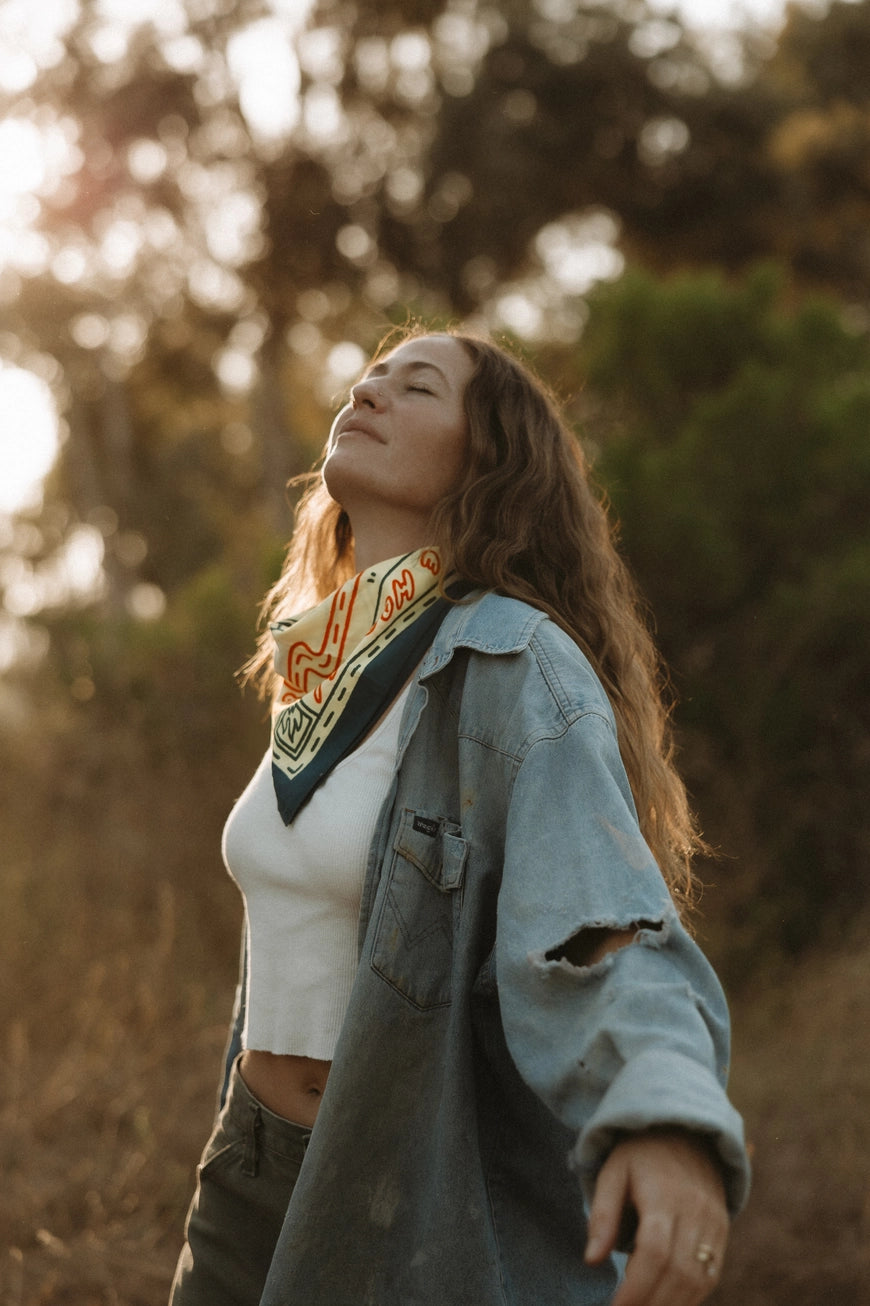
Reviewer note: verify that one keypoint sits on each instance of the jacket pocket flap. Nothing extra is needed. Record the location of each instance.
(434, 846)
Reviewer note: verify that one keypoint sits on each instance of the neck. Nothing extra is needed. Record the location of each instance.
(385, 536)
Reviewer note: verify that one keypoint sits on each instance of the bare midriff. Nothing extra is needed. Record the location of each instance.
(288, 1085)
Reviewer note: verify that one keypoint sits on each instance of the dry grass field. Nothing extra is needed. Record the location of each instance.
(117, 967)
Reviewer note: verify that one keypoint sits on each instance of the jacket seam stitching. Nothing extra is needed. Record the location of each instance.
(542, 735)
(560, 696)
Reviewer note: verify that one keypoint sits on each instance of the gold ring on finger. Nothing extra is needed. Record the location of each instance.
(707, 1256)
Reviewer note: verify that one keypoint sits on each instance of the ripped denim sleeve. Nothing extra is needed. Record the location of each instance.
(639, 1037)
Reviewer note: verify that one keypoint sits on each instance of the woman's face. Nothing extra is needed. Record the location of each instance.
(401, 443)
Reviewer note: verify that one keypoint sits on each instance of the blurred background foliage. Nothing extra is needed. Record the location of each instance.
(233, 200)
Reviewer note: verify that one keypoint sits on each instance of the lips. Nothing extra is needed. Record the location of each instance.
(361, 427)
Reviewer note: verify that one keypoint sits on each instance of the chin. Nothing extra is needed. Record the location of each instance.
(339, 481)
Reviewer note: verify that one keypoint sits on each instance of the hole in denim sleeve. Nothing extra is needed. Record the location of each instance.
(592, 943)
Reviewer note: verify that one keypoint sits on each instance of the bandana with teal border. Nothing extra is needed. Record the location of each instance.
(343, 662)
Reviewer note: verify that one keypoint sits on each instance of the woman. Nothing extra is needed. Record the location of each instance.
(475, 1052)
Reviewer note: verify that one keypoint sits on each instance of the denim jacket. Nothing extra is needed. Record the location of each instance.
(480, 1080)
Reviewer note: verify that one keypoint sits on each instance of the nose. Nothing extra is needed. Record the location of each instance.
(367, 393)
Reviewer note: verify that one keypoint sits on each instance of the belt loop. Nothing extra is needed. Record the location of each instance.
(252, 1141)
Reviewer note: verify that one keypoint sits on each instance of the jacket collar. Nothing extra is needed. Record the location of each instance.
(486, 622)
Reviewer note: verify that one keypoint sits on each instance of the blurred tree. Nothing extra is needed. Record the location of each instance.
(608, 106)
(196, 259)
(600, 107)
(197, 262)
(733, 441)
(199, 280)
(820, 146)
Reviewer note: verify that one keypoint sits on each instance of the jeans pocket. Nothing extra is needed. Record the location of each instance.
(420, 907)
(225, 1145)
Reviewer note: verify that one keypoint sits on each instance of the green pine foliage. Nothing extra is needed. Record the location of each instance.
(733, 431)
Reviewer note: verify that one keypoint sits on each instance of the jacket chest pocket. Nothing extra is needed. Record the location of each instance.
(421, 900)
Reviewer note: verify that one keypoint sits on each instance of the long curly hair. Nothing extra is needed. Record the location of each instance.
(526, 520)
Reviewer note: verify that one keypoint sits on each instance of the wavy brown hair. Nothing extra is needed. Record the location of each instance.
(526, 520)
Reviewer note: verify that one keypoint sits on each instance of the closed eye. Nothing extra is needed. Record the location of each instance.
(421, 389)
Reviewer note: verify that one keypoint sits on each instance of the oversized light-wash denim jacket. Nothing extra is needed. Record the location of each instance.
(479, 1082)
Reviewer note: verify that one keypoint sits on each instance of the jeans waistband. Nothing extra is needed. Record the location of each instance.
(270, 1131)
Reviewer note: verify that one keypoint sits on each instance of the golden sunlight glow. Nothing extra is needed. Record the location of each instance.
(730, 13)
(39, 152)
(31, 39)
(28, 437)
(22, 164)
(34, 160)
(267, 73)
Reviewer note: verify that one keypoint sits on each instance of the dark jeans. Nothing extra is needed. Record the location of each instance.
(244, 1184)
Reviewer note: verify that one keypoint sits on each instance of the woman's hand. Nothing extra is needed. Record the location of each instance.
(670, 1179)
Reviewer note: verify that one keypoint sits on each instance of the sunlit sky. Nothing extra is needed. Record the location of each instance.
(35, 161)
(725, 13)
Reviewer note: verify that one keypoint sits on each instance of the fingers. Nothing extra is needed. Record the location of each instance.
(609, 1203)
(648, 1263)
(671, 1266)
(682, 1221)
(698, 1253)
(699, 1241)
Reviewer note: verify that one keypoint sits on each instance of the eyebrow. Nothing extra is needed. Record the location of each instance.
(413, 365)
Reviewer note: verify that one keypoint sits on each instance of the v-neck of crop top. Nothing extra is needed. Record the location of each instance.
(302, 885)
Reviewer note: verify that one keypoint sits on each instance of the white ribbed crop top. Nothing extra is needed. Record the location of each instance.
(302, 886)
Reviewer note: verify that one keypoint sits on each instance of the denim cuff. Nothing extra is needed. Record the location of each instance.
(655, 1089)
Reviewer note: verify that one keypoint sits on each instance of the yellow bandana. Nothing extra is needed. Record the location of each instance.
(343, 662)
